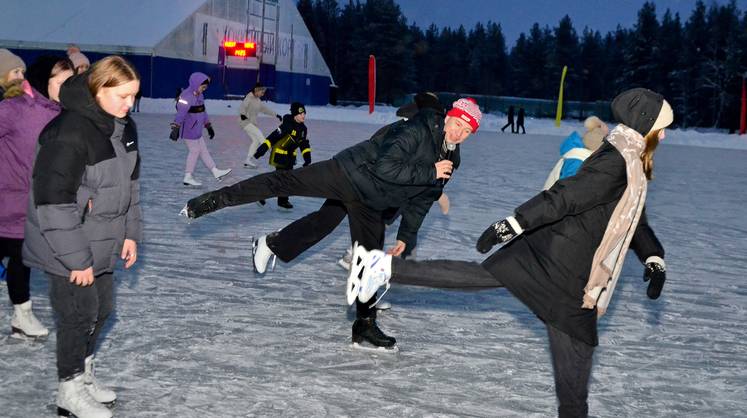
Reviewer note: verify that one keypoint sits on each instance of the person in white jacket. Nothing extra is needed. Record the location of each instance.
(250, 107)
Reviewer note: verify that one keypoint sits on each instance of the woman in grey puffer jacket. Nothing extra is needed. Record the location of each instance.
(84, 214)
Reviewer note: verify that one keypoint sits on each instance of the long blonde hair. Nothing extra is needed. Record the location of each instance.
(111, 71)
(652, 141)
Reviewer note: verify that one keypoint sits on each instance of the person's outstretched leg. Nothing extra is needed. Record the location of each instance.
(324, 179)
(571, 362)
(304, 233)
(445, 274)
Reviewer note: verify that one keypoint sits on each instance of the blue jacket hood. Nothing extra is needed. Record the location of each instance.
(573, 140)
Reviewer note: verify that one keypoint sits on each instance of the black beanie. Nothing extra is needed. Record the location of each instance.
(423, 100)
(637, 108)
(39, 73)
(297, 108)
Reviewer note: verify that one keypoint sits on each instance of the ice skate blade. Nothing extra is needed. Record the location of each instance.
(374, 349)
(344, 264)
(383, 306)
(18, 334)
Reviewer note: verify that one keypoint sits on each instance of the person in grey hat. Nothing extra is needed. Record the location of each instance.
(12, 69)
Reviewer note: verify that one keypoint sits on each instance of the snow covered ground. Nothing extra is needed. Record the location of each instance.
(197, 334)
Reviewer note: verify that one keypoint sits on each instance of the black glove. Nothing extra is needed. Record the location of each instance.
(657, 275)
(174, 135)
(499, 232)
(280, 118)
(243, 117)
(211, 132)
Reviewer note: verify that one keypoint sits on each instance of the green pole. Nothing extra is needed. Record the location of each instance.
(559, 113)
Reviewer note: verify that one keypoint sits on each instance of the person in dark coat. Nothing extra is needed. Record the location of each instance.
(510, 120)
(520, 121)
(565, 247)
(84, 215)
(285, 142)
(401, 167)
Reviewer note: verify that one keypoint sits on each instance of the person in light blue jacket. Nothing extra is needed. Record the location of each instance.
(575, 149)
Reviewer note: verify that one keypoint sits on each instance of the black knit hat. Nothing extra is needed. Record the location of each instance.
(637, 108)
(422, 100)
(39, 73)
(297, 108)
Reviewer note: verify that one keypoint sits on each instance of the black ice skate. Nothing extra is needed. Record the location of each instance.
(202, 205)
(284, 203)
(368, 336)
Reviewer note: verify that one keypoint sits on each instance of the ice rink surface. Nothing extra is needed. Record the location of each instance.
(197, 334)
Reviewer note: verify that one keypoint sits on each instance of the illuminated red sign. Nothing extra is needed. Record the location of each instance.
(240, 49)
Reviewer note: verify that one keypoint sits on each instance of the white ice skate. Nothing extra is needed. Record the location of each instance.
(262, 255)
(220, 173)
(250, 163)
(375, 272)
(344, 262)
(25, 324)
(356, 269)
(190, 181)
(99, 393)
(74, 399)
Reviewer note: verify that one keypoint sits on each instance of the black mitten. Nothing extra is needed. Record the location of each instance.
(211, 132)
(174, 135)
(502, 231)
(656, 275)
(243, 117)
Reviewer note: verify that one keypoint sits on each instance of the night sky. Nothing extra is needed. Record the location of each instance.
(518, 16)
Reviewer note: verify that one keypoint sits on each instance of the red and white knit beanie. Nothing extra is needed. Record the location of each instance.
(467, 110)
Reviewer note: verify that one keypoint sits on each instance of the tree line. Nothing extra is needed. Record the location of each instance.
(697, 62)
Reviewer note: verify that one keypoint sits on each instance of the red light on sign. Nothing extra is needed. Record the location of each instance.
(240, 49)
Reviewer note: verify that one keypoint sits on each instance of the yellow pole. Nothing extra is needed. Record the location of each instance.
(559, 113)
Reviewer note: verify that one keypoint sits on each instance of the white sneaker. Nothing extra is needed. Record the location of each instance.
(99, 393)
(375, 270)
(24, 322)
(250, 163)
(74, 399)
(344, 262)
(220, 173)
(190, 181)
(261, 255)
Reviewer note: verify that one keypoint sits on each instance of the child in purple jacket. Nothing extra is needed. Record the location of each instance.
(22, 118)
(190, 119)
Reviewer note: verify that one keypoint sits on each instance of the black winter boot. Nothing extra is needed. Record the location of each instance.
(365, 329)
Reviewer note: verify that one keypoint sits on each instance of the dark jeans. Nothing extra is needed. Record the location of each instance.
(17, 275)
(571, 358)
(81, 312)
(324, 179)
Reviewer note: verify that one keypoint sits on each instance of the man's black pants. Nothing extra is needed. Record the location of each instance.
(324, 179)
